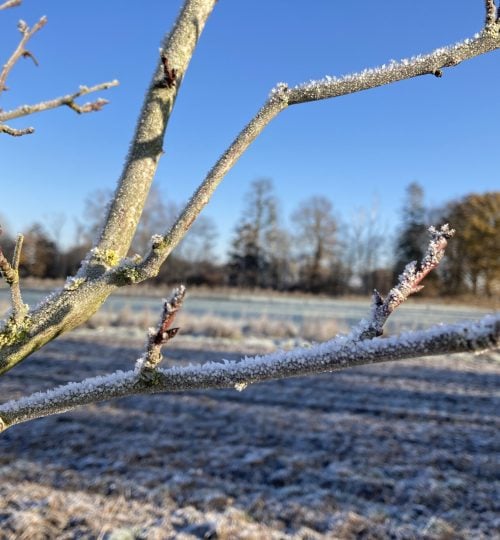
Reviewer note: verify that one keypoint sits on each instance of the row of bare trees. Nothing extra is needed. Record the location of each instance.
(315, 252)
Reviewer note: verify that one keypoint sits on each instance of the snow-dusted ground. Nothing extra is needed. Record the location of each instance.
(345, 312)
(403, 450)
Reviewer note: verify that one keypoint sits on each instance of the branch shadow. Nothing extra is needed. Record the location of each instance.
(297, 451)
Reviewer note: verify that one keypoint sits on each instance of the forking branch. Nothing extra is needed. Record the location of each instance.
(409, 283)
(283, 96)
(105, 268)
(330, 356)
(10, 272)
(358, 348)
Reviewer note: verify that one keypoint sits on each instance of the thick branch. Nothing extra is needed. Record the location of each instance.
(329, 87)
(67, 100)
(334, 355)
(147, 144)
(163, 247)
(81, 298)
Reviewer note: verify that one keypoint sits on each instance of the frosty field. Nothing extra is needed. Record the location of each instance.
(401, 450)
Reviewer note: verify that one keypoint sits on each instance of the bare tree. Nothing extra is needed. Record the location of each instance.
(254, 247)
(364, 245)
(316, 229)
(106, 267)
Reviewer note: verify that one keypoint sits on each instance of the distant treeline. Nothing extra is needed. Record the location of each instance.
(315, 252)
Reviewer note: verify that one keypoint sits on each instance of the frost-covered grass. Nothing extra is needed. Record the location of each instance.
(215, 326)
(404, 450)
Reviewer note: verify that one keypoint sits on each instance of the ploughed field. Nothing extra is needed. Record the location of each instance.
(400, 450)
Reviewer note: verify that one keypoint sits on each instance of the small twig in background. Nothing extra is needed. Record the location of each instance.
(21, 50)
(158, 337)
(409, 283)
(4, 128)
(10, 3)
(68, 100)
(491, 14)
(10, 273)
(91, 106)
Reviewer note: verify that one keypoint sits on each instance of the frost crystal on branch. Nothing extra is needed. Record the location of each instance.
(157, 337)
(409, 282)
(336, 354)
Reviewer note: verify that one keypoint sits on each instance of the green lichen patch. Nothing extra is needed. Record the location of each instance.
(107, 257)
(14, 331)
(110, 257)
(126, 275)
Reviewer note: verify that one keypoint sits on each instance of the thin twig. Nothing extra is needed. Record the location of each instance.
(68, 100)
(10, 273)
(409, 282)
(491, 14)
(20, 50)
(4, 128)
(161, 335)
(10, 4)
(334, 355)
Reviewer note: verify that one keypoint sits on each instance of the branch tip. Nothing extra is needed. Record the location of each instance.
(10, 4)
(20, 50)
(491, 14)
(13, 132)
(409, 282)
(162, 334)
(68, 100)
(10, 272)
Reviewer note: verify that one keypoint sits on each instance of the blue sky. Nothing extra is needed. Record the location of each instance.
(442, 133)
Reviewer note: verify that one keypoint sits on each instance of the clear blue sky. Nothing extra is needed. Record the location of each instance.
(441, 132)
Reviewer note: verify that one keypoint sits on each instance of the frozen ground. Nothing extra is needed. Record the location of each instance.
(405, 450)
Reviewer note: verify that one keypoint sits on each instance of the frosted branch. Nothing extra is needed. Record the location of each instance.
(10, 4)
(158, 337)
(67, 100)
(330, 87)
(339, 353)
(20, 51)
(13, 132)
(409, 282)
(491, 15)
(146, 148)
(24, 110)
